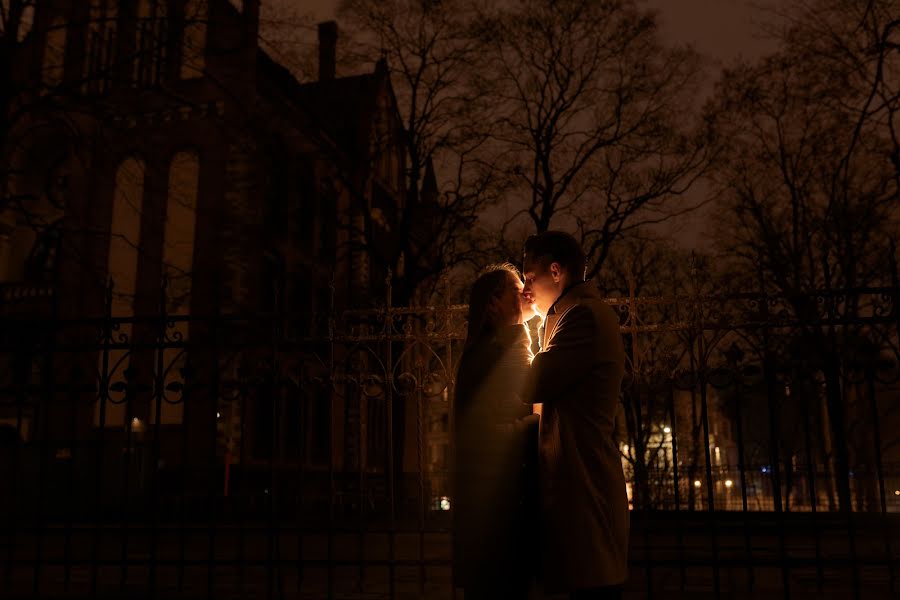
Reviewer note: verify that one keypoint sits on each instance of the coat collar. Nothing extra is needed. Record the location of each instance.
(572, 295)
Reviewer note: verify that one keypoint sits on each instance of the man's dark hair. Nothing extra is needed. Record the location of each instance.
(557, 247)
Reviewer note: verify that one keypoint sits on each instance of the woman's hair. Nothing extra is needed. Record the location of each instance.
(491, 283)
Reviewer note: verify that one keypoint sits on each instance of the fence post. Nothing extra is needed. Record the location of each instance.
(873, 401)
(103, 398)
(389, 409)
(734, 355)
(698, 327)
(774, 431)
(813, 495)
(333, 395)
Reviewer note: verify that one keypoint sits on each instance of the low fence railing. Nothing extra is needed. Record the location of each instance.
(309, 454)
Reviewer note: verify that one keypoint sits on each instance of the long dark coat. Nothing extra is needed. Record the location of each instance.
(584, 509)
(492, 528)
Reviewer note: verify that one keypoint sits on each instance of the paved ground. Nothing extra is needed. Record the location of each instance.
(673, 556)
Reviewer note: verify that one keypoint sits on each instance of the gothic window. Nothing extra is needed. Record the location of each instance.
(122, 269)
(125, 234)
(181, 220)
(54, 54)
(150, 42)
(26, 22)
(178, 262)
(307, 424)
(101, 44)
(193, 39)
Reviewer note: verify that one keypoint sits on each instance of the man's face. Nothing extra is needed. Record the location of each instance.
(542, 283)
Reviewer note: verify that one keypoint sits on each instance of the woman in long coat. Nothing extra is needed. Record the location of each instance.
(494, 436)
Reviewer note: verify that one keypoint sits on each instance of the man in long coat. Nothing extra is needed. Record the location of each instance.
(576, 377)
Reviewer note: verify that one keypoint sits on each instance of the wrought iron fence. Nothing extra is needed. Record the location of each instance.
(307, 455)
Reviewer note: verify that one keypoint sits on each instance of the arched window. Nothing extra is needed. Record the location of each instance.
(125, 234)
(193, 39)
(101, 44)
(150, 42)
(26, 22)
(54, 54)
(122, 268)
(181, 220)
(178, 263)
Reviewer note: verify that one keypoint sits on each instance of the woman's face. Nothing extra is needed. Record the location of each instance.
(514, 308)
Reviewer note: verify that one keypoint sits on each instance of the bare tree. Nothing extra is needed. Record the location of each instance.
(639, 268)
(809, 178)
(668, 351)
(595, 116)
(449, 176)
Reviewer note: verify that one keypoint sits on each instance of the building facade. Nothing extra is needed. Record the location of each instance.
(157, 161)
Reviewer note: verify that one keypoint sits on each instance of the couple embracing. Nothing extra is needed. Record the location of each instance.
(562, 515)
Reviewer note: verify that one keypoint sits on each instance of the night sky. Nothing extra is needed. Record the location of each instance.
(723, 29)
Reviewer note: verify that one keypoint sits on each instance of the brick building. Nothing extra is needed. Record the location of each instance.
(155, 141)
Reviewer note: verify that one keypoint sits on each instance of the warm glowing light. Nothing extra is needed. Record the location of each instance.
(218, 415)
(667, 429)
(728, 483)
(625, 448)
(897, 492)
(696, 483)
(445, 503)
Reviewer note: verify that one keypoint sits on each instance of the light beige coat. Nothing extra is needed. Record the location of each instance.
(577, 377)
